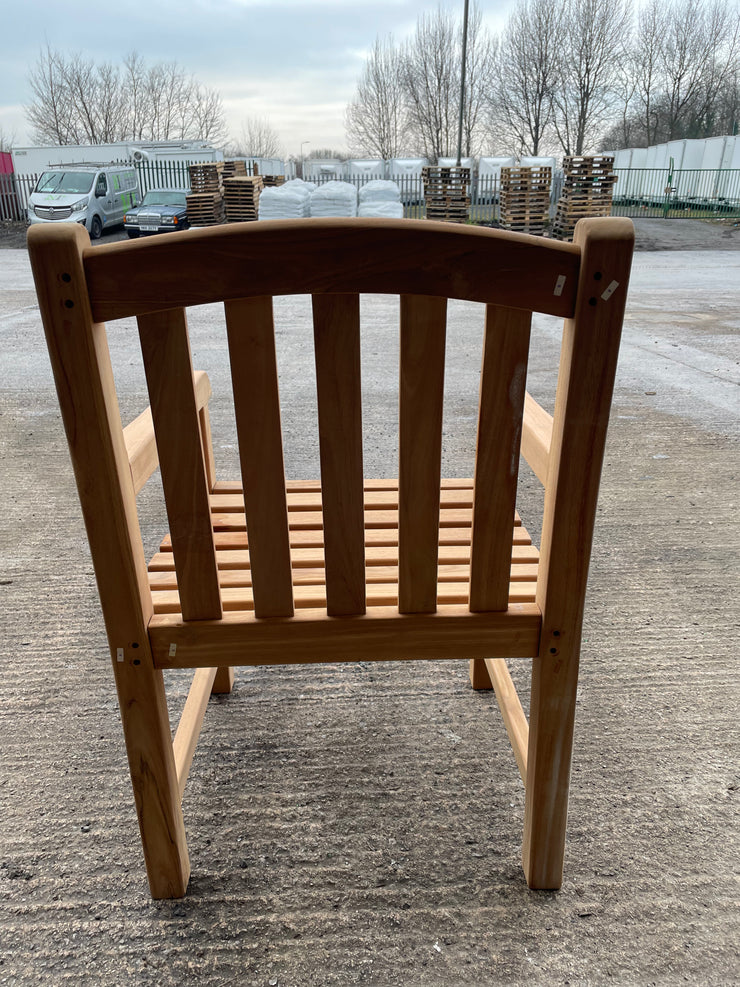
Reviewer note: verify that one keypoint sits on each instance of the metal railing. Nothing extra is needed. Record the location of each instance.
(14, 193)
(691, 193)
(648, 192)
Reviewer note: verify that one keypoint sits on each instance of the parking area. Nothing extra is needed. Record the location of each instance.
(362, 825)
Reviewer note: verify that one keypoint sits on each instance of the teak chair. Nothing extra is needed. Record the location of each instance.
(349, 568)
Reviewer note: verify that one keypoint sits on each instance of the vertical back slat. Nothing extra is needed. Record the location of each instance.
(169, 375)
(337, 347)
(420, 450)
(500, 410)
(251, 335)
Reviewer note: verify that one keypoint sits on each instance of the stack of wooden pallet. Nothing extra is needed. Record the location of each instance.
(206, 209)
(447, 193)
(206, 200)
(242, 196)
(587, 191)
(270, 181)
(206, 176)
(525, 199)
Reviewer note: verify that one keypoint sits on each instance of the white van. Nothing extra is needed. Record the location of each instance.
(96, 195)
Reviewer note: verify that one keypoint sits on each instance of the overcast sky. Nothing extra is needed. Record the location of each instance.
(295, 62)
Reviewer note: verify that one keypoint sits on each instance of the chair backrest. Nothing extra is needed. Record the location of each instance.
(335, 261)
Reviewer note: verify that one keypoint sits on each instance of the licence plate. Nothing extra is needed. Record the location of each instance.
(149, 229)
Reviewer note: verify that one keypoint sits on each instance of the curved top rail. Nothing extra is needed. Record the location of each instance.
(315, 256)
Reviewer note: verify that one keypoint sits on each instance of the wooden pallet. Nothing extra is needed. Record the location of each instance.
(447, 200)
(446, 210)
(533, 200)
(591, 164)
(271, 181)
(445, 173)
(528, 175)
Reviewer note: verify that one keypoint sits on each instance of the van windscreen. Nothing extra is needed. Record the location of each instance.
(70, 182)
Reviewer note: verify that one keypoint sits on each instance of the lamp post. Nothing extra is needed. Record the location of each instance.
(462, 83)
(303, 169)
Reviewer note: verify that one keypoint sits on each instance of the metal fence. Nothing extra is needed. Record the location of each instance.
(163, 174)
(677, 194)
(649, 192)
(14, 193)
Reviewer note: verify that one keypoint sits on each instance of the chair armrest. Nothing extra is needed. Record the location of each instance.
(141, 446)
(536, 437)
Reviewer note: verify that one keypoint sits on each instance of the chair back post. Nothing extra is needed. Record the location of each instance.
(588, 364)
(80, 361)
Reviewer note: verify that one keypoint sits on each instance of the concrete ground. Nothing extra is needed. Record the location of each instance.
(361, 824)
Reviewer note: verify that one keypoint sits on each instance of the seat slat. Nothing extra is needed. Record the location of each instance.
(380, 500)
(251, 336)
(308, 520)
(169, 375)
(313, 486)
(337, 351)
(161, 579)
(502, 385)
(374, 537)
(314, 596)
(423, 325)
(383, 555)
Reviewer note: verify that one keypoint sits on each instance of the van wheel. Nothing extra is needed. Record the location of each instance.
(96, 228)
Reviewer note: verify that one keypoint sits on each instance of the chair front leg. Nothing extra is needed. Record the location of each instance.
(551, 719)
(146, 729)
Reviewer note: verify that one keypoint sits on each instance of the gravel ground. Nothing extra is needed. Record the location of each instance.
(358, 824)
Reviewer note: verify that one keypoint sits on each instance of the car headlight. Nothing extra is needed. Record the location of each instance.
(81, 204)
(129, 218)
(169, 220)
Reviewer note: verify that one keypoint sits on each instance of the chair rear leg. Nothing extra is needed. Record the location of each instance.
(146, 729)
(224, 681)
(479, 677)
(551, 718)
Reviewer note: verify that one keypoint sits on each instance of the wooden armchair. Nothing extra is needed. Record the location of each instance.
(257, 571)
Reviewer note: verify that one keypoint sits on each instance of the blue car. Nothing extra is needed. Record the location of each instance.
(162, 210)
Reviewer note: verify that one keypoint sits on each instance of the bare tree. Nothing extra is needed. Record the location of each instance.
(325, 153)
(624, 132)
(686, 63)
(645, 60)
(76, 101)
(408, 97)
(430, 66)
(699, 53)
(50, 111)
(595, 39)
(523, 83)
(258, 140)
(133, 79)
(727, 119)
(377, 120)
